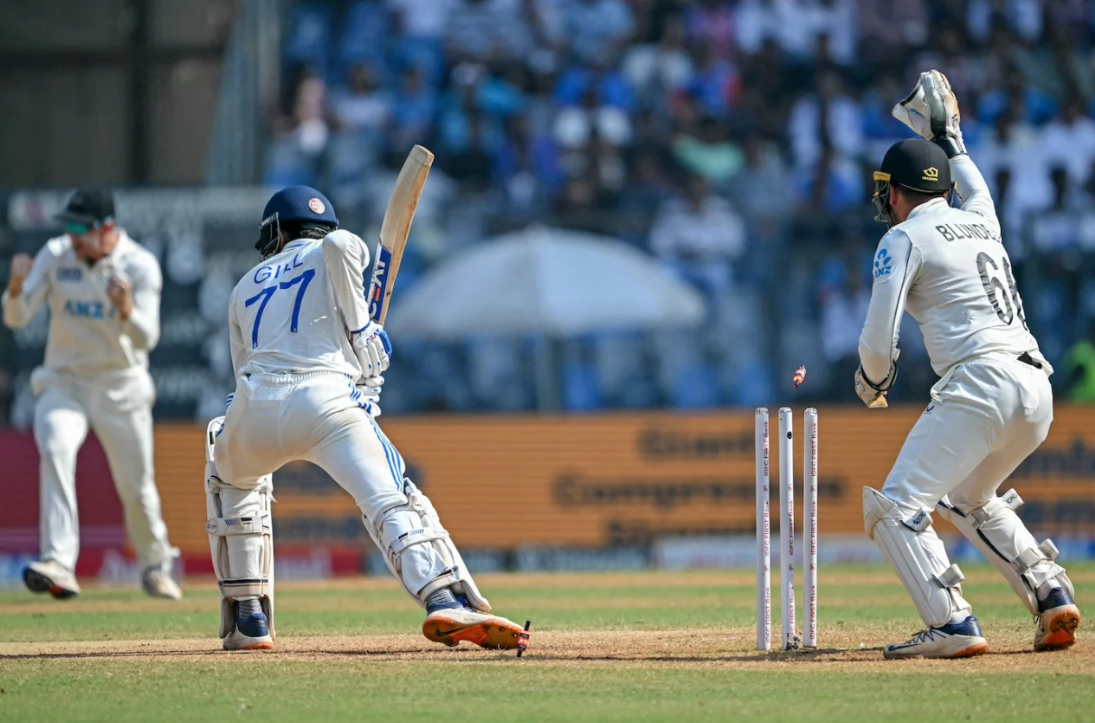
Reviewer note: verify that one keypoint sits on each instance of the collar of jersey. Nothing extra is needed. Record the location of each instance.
(928, 207)
(292, 244)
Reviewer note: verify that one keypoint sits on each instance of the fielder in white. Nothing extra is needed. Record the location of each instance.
(103, 292)
(308, 361)
(991, 407)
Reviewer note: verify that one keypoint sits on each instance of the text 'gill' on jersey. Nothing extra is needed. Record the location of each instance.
(294, 312)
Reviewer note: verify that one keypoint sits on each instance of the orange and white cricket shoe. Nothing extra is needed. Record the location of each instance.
(953, 640)
(251, 633)
(454, 625)
(1057, 622)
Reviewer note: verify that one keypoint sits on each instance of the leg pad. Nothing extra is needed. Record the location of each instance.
(419, 552)
(997, 532)
(917, 555)
(240, 539)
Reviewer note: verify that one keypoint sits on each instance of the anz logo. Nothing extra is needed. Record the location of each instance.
(89, 309)
(883, 264)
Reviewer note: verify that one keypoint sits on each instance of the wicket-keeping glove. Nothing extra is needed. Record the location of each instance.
(874, 395)
(931, 110)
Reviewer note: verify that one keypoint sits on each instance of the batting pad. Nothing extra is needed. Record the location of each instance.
(918, 557)
(420, 553)
(241, 539)
(996, 530)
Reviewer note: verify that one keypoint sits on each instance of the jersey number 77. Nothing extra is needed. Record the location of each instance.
(264, 296)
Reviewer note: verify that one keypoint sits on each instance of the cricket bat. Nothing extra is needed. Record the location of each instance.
(395, 228)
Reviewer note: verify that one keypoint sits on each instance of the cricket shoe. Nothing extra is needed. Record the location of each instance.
(52, 577)
(1057, 622)
(953, 640)
(451, 625)
(157, 583)
(251, 633)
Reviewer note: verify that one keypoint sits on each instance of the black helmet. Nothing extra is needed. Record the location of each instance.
(915, 164)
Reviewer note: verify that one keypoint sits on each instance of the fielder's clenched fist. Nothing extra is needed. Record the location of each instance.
(121, 296)
(20, 269)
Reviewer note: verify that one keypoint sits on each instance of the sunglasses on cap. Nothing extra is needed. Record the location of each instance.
(81, 229)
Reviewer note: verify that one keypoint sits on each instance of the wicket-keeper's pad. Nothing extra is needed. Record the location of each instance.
(918, 557)
(419, 552)
(994, 529)
(240, 538)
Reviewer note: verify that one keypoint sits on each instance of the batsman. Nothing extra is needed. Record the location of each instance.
(309, 360)
(943, 260)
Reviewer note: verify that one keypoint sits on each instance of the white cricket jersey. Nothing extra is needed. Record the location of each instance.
(295, 311)
(948, 268)
(85, 334)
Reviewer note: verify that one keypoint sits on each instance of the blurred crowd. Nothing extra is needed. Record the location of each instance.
(733, 139)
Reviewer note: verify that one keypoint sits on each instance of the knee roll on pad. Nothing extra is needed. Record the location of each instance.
(993, 528)
(240, 539)
(419, 552)
(917, 555)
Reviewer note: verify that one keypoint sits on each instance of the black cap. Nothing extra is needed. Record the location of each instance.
(89, 206)
(917, 164)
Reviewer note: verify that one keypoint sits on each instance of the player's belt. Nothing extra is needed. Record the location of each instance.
(1026, 358)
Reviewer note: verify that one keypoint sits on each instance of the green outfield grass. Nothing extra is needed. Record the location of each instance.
(626, 647)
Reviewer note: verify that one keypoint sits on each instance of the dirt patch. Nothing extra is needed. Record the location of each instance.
(645, 649)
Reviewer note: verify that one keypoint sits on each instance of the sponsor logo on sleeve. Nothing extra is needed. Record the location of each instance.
(883, 265)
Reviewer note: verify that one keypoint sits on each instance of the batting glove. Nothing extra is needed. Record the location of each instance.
(373, 349)
(368, 391)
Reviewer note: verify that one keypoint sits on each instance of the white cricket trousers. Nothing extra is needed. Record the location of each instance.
(117, 406)
(274, 419)
(986, 416)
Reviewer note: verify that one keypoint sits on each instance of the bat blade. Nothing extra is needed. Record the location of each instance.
(395, 229)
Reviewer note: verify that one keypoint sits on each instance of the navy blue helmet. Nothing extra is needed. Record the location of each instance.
(301, 206)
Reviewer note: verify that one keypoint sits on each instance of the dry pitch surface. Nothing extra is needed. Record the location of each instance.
(645, 646)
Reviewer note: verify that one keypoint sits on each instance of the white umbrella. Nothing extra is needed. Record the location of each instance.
(548, 281)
